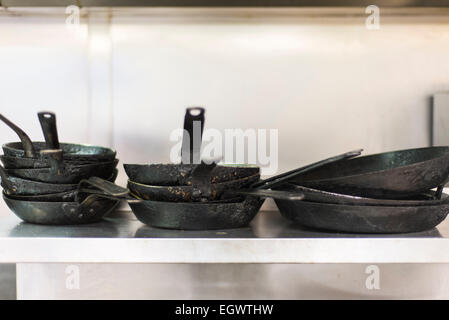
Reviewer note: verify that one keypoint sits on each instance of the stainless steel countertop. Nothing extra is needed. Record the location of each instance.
(121, 238)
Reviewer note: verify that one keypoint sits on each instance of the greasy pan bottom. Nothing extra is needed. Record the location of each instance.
(196, 216)
(363, 219)
(60, 213)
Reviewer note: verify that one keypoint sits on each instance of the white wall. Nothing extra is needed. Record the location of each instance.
(326, 82)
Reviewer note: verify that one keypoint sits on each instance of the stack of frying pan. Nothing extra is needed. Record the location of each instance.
(40, 180)
(381, 193)
(200, 195)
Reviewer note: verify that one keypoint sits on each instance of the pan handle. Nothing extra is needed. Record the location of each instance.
(109, 189)
(284, 177)
(48, 124)
(275, 194)
(27, 144)
(54, 158)
(191, 151)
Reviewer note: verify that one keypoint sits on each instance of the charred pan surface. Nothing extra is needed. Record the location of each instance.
(363, 219)
(181, 174)
(197, 216)
(71, 151)
(188, 193)
(384, 175)
(67, 175)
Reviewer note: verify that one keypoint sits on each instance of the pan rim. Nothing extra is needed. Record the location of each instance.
(382, 170)
(180, 186)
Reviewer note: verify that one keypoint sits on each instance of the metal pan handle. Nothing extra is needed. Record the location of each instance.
(109, 189)
(284, 177)
(193, 132)
(275, 194)
(27, 144)
(49, 129)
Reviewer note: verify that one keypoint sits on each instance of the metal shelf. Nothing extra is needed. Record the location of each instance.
(269, 239)
(218, 3)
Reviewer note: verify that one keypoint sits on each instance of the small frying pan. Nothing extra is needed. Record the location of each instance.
(60, 172)
(92, 209)
(181, 174)
(17, 186)
(71, 152)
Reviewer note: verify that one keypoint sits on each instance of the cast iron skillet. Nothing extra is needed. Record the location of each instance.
(71, 152)
(181, 174)
(60, 171)
(384, 175)
(17, 186)
(91, 209)
(365, 218)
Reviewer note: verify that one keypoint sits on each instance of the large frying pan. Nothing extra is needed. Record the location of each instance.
(384, 175)
(181, 174)
(71, 152)
(364, 218)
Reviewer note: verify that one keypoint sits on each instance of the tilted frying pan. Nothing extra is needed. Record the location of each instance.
(76, 152)
(181, 174)
(313, 195)
(384, 175)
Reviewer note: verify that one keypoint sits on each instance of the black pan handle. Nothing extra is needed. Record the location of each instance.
(284, 177)
(193, 120)
(201, 180)
(54, 158)
(275, 194)
(48, 124)
(27, 144)
(108, 188)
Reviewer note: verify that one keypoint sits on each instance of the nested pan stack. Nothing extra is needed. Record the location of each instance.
(192, 195)
(388, 192)
(40, 179)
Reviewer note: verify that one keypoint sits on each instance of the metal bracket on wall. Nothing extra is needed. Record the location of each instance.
(440, 119)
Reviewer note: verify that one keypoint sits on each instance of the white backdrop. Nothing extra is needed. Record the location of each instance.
(326, 83)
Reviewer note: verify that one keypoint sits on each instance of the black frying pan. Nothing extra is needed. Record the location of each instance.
(384, 175)
(61, 174)
(60, 171)
(181, 174)
(17, 186)
(364, 218)
(313, 195)
(92, 209)
(76, 152)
